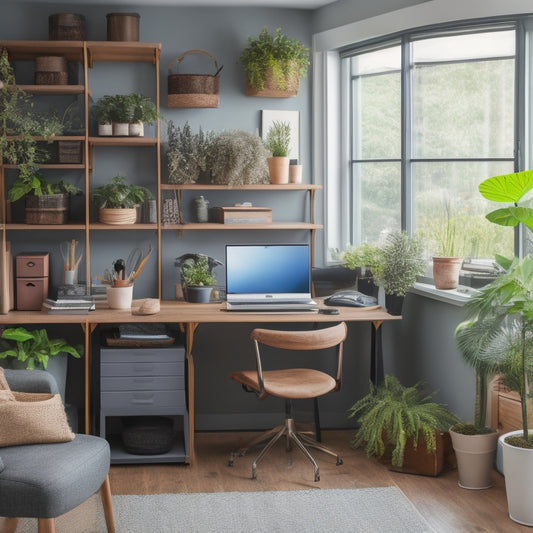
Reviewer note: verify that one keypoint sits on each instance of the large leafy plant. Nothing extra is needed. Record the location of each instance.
(35, 347)
(275, 52)
(391, 414)
(118, 194)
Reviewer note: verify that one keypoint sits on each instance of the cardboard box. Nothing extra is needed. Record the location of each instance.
(31, 293)
(32, 265)
(242, 215)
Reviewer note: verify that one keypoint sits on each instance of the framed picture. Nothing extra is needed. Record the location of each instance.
(292, 118)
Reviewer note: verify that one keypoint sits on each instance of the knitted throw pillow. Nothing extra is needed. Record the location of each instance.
(31, 418)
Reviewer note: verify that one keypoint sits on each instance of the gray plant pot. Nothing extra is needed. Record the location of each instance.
(198, 294)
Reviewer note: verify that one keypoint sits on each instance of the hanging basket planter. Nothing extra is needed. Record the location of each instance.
(274, 87)
(193, 90)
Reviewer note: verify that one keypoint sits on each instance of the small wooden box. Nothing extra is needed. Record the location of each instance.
(31, 293)
(32, 265)
(242, 215)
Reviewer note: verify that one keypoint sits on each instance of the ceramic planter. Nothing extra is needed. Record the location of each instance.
(446, 272)
(475, 458)
(105, 130)
(198, 294)
(136, 129)
(278, 168)
(119, 297)
(518, 471)
(121, 129)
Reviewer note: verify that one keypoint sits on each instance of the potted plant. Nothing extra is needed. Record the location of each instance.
(277, 141)
(400, 422)
(121, 115)
(144, 111)
(35, 350)
(237, 158)
(398, 264)
(117, 201)
(102, 112)
(198, 279)
(361, 258)
(274, 64)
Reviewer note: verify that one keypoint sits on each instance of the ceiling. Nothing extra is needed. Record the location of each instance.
(299, 4)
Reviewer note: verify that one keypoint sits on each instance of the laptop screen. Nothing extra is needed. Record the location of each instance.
(269, 272)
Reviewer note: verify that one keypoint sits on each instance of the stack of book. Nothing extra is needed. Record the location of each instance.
(69, 305)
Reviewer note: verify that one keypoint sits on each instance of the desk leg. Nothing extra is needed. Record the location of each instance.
(87, 330)
(376, 354)
(190, 328)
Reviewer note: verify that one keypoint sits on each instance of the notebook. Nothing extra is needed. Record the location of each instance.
(269, 277)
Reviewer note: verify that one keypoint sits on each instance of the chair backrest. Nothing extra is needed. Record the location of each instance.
(316, 339)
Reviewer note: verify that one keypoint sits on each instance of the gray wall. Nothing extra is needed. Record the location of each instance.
(419, 347)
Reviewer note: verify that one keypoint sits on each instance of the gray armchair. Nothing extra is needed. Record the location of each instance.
(44, 481)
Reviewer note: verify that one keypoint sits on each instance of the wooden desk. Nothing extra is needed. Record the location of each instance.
(191, 315)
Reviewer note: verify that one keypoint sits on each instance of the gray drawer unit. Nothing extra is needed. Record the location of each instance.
(144, 382)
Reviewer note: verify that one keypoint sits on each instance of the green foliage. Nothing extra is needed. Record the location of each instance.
(278, 138)
(124, 108)
(196, 272)
(34, 183)
(362, 256)
(34, 347)
(143, 109)
(186, 153)
(283, 55)
(237, 157)
(118, 194)
(390, 414)
(102, 110)
(399, 263)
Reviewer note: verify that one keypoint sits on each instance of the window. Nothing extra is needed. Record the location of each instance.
(430, 117)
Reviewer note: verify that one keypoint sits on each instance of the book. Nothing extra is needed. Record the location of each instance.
(69, 303)
(65, 310)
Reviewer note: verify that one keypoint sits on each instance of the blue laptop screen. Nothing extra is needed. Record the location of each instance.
(268, 269)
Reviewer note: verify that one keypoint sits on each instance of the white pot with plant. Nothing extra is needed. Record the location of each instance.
(277, 141)
(143, 111)
(102, 113)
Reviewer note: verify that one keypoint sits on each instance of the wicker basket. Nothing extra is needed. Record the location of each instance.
(66, 27)
(123, 26)
(47, 209)
(147, 435)
(117, 216)
(69, 152)
(271, 89)
(193, 90)
(51, 70)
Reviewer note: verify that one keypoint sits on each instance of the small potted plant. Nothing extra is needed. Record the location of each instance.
(398, 265)
(274, 64)
(403, 425)
(144, 111)
(121, 115)
(35, 350)
(102, 112)
(361, 258)
(277, 141)
(198, 279)
(117, 201)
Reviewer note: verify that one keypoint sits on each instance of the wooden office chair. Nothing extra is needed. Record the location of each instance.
(291, 384)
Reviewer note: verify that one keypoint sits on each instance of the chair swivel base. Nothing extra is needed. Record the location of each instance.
(289, 431)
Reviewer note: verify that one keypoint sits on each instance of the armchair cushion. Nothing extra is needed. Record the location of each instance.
(31, 418)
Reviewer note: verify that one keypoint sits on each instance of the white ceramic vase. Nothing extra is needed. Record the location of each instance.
(119, 297)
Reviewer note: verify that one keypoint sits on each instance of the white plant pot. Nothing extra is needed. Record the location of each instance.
(119, 297)
(136, 129)
(518, 472)
(105, 130)
(475, 459)
(121, 129)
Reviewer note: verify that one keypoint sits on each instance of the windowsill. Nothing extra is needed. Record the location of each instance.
(457, 297)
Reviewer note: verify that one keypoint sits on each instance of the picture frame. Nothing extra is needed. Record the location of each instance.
(269, 116)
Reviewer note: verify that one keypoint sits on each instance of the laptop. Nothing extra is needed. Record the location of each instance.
(269, 277)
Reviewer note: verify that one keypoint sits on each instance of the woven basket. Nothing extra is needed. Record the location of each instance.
(66, 27)
(117, 216)
(69, 151)
(123, 26)
(47, 209)
(193, 90)
(271, 89)
(51, 70)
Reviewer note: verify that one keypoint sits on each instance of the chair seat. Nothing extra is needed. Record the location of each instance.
(48, 480)
(293, 383)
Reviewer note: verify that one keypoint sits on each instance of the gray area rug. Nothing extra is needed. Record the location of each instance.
(372, 510)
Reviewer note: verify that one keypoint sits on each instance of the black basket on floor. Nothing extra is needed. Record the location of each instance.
(147, 435)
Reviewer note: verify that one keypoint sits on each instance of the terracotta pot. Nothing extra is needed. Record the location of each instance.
(278, 168)
(446, 272)
(475, 459)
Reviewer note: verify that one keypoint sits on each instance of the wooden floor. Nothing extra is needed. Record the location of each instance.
(445, 506)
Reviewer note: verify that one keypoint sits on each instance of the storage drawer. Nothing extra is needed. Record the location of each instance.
(127, 355)
(142, 402)
(141, 369)
(32, 265)
(142, 383)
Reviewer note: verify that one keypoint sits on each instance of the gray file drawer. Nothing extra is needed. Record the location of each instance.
(135, 401)
(142, 368)
(130, 355)
(142, 383)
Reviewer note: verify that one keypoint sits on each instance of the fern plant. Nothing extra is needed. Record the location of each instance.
(391, 414)
(278, 138)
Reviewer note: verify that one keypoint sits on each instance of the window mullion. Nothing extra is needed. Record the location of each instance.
(406, 146)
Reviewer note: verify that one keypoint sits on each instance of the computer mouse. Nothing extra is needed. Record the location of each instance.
(350, 299)
(329, 311)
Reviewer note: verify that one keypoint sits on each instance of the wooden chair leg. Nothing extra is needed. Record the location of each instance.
(46, 525)
(107, 503)
(8, 524)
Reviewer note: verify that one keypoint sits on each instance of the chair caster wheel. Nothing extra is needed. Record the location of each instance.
(317, 477)
(339, 461)
(230, 463)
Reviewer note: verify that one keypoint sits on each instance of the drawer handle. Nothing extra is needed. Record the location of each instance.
(139, 367)
(142, 401)
(143, 380)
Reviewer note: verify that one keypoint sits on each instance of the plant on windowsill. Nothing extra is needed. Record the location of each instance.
(117, 201)
(35, 350)
(274, 64)
(198, 279)
(277, 141)
(402, 425)
(399, 262)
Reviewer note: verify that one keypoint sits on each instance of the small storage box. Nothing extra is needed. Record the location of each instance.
(66, 27)
(51, 70)
(32, 265)
(241, 215)
(31, 293)
(123, 26)
(47, 209)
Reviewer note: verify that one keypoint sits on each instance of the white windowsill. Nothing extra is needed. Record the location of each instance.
(457, 297)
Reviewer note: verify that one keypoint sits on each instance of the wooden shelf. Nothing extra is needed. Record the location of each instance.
(55, 166)
(122, 51)
(212, 226)
(52, 89)
(258, 187)
(29, 50)
(46, 227)
(126, 227)
(122, 141)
